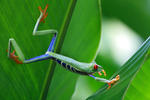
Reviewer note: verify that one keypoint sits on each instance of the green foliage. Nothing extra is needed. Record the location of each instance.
(135, 14)
(127, 73)
(140, 87)
(75, 46)
(17, 20)
(79, 27)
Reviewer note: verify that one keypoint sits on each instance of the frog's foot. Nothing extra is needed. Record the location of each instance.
(103, 71)
(15, 58)
(113, 81)
(44, 13)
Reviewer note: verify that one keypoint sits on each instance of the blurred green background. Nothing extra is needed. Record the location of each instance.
(108, 31)
(125, 26)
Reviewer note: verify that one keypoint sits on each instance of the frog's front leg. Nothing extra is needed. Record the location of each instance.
(109, 82)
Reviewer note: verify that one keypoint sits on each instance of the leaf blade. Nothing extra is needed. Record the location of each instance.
(24, 82)
(140, 85)
(127, 72)
(75, 46)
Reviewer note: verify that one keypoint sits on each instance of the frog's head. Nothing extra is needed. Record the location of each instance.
(99, 69)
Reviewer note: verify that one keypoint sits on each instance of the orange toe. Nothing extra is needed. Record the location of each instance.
(44, 13)
(109, 85)
(45, 9)
(15, 58)
(40, 9)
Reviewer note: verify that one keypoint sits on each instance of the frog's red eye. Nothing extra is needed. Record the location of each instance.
(95, 67)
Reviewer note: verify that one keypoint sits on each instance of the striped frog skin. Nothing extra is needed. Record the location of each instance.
(69, 67)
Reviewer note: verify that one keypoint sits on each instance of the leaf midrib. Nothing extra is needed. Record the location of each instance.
(59, 42)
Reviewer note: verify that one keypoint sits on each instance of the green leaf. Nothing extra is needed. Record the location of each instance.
(17, 20)
(140, 87)
(127, 73)
(81, 43)
(80, 32)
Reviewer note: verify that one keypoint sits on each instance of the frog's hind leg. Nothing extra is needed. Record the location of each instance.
(20, 55)
(20, 59)
(52, 44)
(38, 58)
(45, 56)
(42, 16)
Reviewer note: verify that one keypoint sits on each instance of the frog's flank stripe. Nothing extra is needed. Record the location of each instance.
(68, 67)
